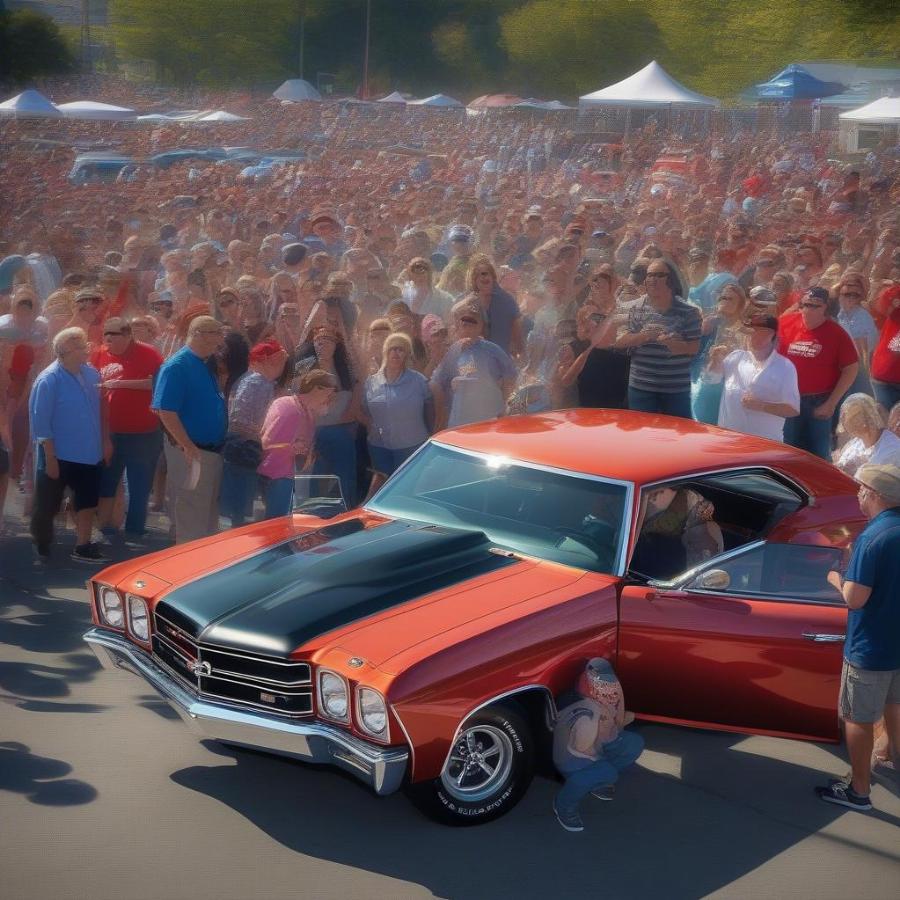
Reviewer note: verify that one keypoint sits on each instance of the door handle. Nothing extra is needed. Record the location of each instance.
(824, 638)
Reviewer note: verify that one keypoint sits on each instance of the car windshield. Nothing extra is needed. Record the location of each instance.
(567, 518)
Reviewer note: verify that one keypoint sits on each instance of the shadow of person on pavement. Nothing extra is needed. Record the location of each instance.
(726, 815)
(40, 778)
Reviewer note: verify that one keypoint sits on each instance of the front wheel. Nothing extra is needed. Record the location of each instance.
(488, 770)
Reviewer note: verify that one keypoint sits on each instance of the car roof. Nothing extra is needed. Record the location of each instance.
(637, 447)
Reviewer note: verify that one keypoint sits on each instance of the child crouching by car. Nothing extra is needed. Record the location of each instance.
(590, 747)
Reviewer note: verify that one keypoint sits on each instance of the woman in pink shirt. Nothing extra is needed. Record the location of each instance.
(288, 431)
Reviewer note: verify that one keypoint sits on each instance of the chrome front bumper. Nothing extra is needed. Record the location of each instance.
(382, 768)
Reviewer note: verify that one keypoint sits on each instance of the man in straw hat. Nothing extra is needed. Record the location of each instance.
(870, 680)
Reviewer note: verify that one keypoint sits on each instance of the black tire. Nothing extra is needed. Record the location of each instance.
(465, 793)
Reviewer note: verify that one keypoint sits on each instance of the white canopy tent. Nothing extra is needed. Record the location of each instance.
(651, 87)
(884, 111)
(29, 105)
(220, 116)
(437, 100)
(296, 90)
(90, 109)
(395, 97)
(867, 126)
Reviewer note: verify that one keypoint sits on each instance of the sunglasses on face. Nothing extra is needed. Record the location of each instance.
(113, 334)
(224, 303)
(466, 320)
(811, 305)
(657, 275)
(419, 268)
(95, 301)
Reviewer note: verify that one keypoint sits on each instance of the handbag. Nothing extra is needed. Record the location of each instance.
(243, 452)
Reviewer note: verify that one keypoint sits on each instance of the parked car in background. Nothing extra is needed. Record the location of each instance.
(421, 641)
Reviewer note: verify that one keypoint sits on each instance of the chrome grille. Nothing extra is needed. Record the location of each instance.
(278, 686)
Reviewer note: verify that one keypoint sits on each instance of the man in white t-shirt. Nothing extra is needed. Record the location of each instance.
(760, 385)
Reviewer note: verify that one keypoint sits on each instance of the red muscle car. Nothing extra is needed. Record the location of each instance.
(421, 641)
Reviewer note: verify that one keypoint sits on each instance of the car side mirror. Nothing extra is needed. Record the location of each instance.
(713, 580)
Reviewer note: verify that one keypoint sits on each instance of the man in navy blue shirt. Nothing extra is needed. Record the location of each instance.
(870, 681)
(191, 407)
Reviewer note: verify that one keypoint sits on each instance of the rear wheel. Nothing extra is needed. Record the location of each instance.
(488, 770)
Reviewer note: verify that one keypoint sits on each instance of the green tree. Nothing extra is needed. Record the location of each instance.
(31, 45)
(568, 47)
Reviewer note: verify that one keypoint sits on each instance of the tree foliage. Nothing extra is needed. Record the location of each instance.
(31, 45)
(542, 47)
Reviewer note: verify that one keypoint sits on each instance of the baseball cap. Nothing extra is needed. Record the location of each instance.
(883, 479)
(264, 350)
(293, 254)
(431, 325)
(89, 293)
(761, 294)
(818, 293)
(460, 233)
(697, 253)
(762, 320)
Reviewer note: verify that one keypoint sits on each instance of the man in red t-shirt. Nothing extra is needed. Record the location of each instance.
(826, 361)
(886, 358)
(127, 369)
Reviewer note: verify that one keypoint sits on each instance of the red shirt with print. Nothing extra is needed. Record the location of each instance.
(129, 409)
(818, 354)
(886, 358)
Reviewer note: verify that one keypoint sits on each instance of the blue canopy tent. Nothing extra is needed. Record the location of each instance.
(795, 83)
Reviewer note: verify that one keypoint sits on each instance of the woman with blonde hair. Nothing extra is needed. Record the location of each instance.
(848, 295)
(281, 290)
(870, 440)
(500, 312)
(722, 332)
(399, 405)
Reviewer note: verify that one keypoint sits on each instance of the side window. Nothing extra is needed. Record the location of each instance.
(786, 571)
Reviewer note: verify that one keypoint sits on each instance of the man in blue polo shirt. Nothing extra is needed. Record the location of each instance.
(192, 410)
(870, 681)
(71, 443)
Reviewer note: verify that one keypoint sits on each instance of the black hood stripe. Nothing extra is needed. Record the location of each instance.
(275, 601)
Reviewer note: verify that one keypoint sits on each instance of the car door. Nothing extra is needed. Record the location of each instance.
(752, 642)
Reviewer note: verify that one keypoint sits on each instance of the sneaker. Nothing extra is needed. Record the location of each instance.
(604, 792)
(569, 819)
(88, 553)
(842, 794)
(135, 541)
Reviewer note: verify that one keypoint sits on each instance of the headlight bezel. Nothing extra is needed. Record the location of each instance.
(384, 732)
(129, 599)
(103, 610)
(320, 696)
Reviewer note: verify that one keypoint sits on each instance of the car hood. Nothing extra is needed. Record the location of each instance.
(329, 579)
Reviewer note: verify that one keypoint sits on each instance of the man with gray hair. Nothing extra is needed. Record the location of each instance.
(70, 433)
(191, 407)
(870, 680)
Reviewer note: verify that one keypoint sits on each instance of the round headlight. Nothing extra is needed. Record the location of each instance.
(138, 618)
(333, 696)
(372, 711)
(111, 609)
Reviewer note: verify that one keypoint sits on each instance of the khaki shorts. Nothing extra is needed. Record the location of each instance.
(864, 693)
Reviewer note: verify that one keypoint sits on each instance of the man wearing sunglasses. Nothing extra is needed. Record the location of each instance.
(127, 369)
(827, 363)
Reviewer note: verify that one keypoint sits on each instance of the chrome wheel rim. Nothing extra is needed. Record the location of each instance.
(480, 762)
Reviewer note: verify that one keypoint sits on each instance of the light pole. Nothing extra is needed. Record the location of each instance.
(302, 11)
(365, 83)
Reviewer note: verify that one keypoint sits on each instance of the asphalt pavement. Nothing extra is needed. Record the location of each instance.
(105, 794)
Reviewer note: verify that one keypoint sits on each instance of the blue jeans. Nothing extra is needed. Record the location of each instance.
(656, 402)
(336, 455)
(388, 461)
(886, 393)
(136, 455)
(706, 403)
(806, 432)
(237, 493)
(617, 755)
(279, 497)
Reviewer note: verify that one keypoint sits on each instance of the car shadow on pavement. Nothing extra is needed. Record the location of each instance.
(726, 815)
(40, 778)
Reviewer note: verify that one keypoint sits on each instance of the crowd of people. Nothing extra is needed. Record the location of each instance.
(187, 338)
